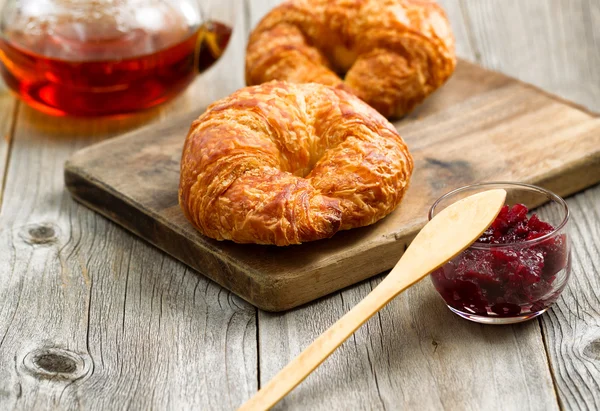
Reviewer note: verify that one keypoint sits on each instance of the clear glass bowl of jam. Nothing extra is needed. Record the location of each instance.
(107, 57)
(517, 269)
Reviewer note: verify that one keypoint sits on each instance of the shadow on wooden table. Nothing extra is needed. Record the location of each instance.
(99, 128)
(81, 127)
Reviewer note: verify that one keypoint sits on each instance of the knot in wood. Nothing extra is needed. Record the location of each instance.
(43, 233)
(592, 350)
(55, 363)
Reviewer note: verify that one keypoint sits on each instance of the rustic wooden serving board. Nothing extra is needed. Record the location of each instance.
(481, 126)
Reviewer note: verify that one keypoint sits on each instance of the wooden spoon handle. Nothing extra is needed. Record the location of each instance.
(446, 235)
(312, 356)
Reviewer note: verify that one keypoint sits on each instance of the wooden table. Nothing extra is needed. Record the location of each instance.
(92, 317)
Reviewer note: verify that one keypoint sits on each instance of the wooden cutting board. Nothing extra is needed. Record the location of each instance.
(481, 126)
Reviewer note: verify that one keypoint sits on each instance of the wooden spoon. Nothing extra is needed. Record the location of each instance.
(450, 232)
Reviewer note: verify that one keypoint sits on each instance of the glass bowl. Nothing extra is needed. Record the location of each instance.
(514, 281)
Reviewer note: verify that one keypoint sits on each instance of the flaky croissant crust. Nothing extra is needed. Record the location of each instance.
(285, 163)
(392, 53)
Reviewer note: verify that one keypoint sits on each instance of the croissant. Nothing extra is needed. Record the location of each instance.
(283, 163)
(390, 53)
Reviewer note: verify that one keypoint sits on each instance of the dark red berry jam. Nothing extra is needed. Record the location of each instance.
(504, 274)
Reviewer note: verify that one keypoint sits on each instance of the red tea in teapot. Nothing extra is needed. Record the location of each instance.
(98, 68)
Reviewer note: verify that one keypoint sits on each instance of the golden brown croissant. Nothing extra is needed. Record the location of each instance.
(285, 163)
(393, 53)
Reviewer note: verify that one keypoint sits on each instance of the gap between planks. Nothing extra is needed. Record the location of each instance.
(248, 26)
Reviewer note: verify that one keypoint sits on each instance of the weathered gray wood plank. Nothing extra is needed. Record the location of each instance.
(464, 48)
(415, 354)
(90, 316)
(8, 107)
(7, 117)
(555, 44)
(572, 327)
(95, 294)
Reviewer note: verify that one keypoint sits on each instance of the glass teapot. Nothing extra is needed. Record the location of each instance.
(105, 57)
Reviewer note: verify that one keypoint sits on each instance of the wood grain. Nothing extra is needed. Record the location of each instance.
(90, 316)
(572, 328)
(8, 112)
(492, 130)
(555, 44)
(460, 28)
(136, 322)
(415, 354)
(552, 44)
(452, 231)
